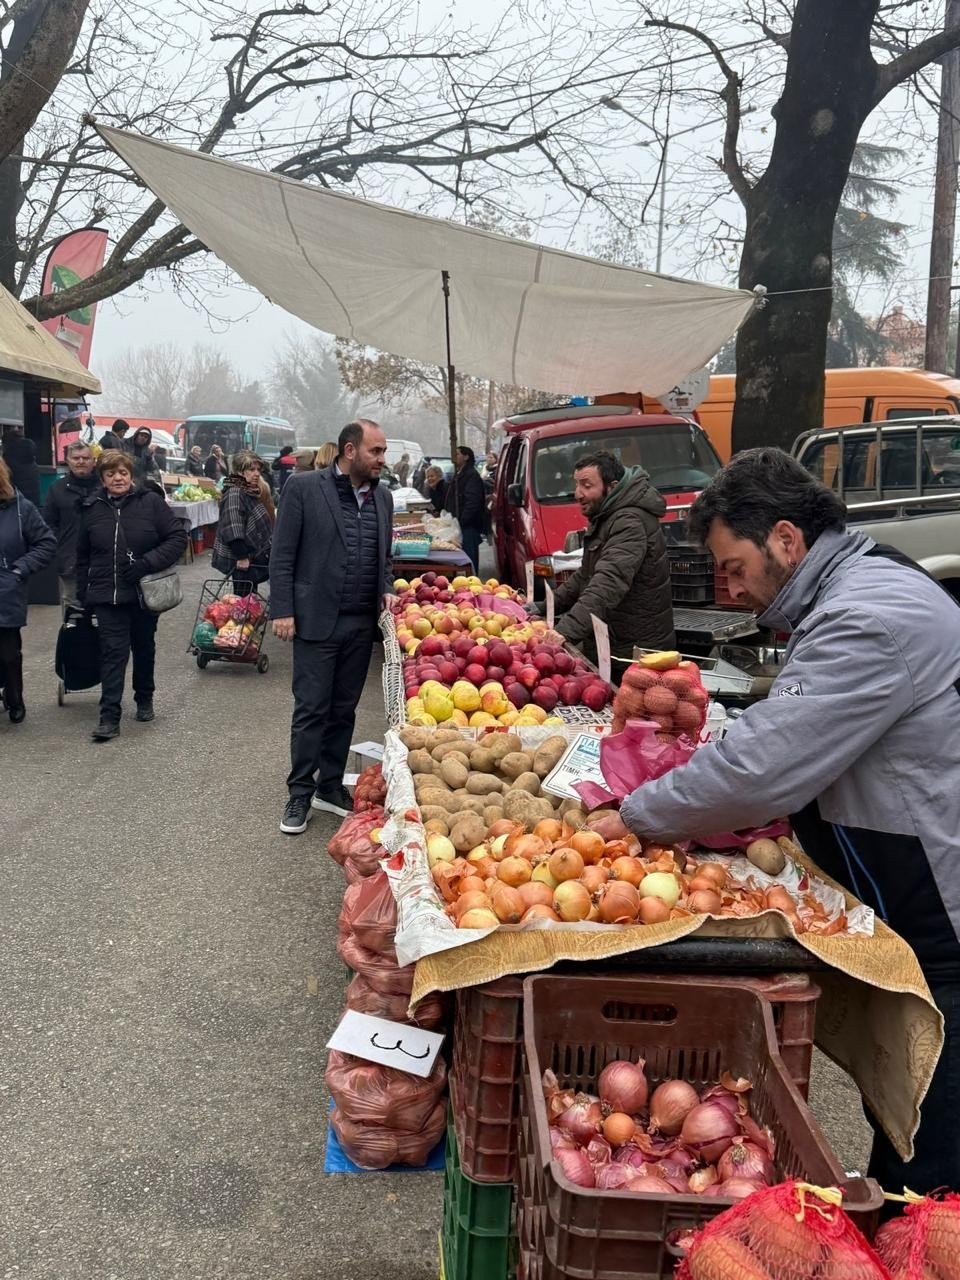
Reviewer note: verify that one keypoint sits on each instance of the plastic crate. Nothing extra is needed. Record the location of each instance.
(576, 1025)
(689, 559)
(682, 594)
(487, 1040)
(721, 592)
(485, 1077)
(477, 1238)
(411, 548)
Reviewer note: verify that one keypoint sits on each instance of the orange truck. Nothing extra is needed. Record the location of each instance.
(851, 396)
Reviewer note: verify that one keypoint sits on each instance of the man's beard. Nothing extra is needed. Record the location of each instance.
(775, 576)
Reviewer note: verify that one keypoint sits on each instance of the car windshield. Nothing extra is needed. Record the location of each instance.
(228, 435)
(677, 456)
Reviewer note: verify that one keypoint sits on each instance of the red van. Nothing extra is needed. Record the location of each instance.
(533, 506)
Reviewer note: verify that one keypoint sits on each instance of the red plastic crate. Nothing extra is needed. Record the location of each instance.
(487, 1039)
(575, 1025)
(721, 591)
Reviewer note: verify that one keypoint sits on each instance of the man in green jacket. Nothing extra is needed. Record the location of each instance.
(625, 576)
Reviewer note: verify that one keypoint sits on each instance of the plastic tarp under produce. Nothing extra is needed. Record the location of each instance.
(520, 313)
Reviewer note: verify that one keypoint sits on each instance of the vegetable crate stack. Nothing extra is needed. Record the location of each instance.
(650, 1106)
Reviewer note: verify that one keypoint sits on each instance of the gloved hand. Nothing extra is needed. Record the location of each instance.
(132, 572)
(535, 609)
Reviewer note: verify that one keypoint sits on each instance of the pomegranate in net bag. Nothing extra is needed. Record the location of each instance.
(924, 1244)
(792, 1231)
(357, 838)
(371, 1146)
(369, 1093)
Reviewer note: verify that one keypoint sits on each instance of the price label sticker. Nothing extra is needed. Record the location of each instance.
(551, 610)
(392, 1044)
(601, 634)
(530, 580)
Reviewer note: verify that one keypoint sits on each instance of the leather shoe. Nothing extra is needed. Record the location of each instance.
(144, 712)
(106, 730)
(17, 714)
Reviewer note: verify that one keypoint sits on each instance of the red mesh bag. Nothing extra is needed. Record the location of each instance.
(371, 789)
(352, 840)
(788, 1232)
(674, 699)
(368, 1093)
(925, 1243)
(369, 912)
(430, 1013)
(378, 967)
(371, 1146)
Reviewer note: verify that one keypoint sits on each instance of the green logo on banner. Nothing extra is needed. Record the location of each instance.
(66, 278)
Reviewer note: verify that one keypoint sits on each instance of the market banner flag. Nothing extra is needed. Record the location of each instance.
(73, 258)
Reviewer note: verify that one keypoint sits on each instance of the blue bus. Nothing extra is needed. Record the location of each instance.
(235, 431)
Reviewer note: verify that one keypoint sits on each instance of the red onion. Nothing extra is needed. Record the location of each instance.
(708, 1130)
(701, 1179)
(598, 1151)
(679, 1165)
(676, 1181)
(650, 1183)
(738, 1188)
(623, 1086)
(576, 1167)
(557, 1099)
(613, 1177)
(726, 1099)
(761, 1138)
(633, 1157)
(746, 1160)
(583, 1119)
(560, 1141)
(654, 1148)
(669, 1106)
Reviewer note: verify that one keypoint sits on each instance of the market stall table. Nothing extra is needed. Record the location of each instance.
(456, 559)
(194, 516)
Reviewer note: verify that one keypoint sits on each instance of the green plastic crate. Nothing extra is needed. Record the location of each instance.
(478, 1239)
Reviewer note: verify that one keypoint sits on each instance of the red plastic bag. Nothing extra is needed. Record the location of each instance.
(371, 1146)
(367, 1093)
(788, 1232)
(631, 758)
(925, 1243)
(353, 840)
(371, 789)
(361, 997)
(379, 968)
(369, 912)
(740, 839)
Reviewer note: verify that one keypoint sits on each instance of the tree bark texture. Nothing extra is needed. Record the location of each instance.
(39, 50)
(944, 206)
(828, 92)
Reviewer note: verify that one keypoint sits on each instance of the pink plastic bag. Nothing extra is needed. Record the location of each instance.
(631, 758)
(740, 839)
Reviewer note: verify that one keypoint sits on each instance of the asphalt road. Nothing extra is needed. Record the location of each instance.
(169, 983)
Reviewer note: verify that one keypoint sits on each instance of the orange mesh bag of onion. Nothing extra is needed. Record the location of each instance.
(792, 1231)
(923, 1244)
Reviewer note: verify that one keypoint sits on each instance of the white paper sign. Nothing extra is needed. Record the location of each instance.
(579, 763)
(392, 1044)
(372, 749)
(602, 636)
(530, 581)
(551, 611)
(688, 393)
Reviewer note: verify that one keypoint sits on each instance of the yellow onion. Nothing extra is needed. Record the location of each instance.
(497, 846)
(535, 893)
(571, 901)
(565, 864)
(627, 869)
(619, 903)
(660, 884)
(502, 827)
(589, 845)
(543, 875)
(619, 1128)
(699, 883)
(548, 829)
(522, 845)
(594, 878)
(714, 871)
(704, 901)
(478, 918)
(540, 911)
(507, 904)
(471, 884)
(653, 911)
(470, 902)
(514, 871)
(487, 868)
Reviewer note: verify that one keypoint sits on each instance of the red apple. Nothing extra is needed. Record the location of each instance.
(529, 677)
(449, 671)
(544, 663)
(570, 693)
(517, 694)
(411, 690)
(495, 673)
(509, 681)
(462, 646)
(501, 654)
(557, 681)
(545, 696)
(461, 664)
(563, 662)
(430, 646)
(515, 667)
(441, 582)
(595, 696)
(479, 654)
(429, 578)
(476, 674)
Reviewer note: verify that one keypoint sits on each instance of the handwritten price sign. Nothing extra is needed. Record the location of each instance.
(392, 1044)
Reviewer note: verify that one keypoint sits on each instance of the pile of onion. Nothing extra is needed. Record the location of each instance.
(672, 1141)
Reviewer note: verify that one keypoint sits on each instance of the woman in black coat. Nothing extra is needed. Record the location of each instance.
(26, 545)
(126, 532)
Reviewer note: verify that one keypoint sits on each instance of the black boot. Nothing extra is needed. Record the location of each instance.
(144, 711)
(17, 714)
(106, 730)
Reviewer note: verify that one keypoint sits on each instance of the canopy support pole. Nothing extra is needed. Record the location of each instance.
(451, 387)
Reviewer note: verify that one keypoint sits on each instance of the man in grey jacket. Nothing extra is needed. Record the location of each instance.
(859, 739)
(330, 568)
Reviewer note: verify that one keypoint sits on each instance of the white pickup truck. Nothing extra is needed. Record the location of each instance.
(901, 482)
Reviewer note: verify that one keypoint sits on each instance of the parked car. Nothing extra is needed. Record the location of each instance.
(900, 480)
(533, 506)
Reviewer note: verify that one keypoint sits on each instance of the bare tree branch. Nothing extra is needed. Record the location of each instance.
(899, 69)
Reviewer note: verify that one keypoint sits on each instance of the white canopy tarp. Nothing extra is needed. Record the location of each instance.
(520, 314)
(27, 348)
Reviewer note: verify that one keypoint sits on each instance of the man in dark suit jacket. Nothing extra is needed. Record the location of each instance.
(330, 569)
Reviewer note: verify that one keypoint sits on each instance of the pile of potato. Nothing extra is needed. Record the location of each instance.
(463, 787)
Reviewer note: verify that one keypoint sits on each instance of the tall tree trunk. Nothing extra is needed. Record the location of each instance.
(44, 37)
(939, 297)
(11, 200)
(781, 349)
